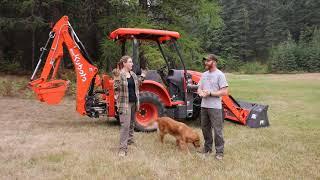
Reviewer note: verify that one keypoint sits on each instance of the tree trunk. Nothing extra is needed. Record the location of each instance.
(33, 47)
(143, 4)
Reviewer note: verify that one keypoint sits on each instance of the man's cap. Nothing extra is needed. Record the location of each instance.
(210, 57)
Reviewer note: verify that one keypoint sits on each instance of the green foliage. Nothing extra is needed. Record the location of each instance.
(12, 86)
(10, 63)
(229, 63)
(239, 31)
(252, 27)
(192, 19)
(283, 57)
(153, 57)
(7, 66)
(314, 52)
(253, 68)
(23, 15)
(290, 56)
(111, 53)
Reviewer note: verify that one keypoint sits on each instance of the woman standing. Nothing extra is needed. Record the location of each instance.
(126, 85)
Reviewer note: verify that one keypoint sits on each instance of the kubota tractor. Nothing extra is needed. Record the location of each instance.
(169, 90)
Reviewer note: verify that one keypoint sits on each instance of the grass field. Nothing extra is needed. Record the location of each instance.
(54, 142)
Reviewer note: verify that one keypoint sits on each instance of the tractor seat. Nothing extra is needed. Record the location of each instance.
(154, 76)
(175, 81)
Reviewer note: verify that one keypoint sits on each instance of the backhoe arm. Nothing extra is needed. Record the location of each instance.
(51, 90)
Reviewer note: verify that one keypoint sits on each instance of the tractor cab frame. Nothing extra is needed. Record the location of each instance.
(172, 84)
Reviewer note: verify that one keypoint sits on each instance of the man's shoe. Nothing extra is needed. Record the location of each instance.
(131, 142)
(122, 153)
(219, 157)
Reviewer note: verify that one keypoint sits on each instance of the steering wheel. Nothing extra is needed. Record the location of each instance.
(164, 67)
(163, 74)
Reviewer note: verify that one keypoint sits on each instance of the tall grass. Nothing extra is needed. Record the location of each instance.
(12, 86)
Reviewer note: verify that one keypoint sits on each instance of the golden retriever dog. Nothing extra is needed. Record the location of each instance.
(183, 133)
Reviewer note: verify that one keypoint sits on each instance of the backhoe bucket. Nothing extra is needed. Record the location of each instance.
(258, 116)
(50, 92)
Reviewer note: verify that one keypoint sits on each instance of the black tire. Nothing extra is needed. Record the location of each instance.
(148, 99)
(117, 118)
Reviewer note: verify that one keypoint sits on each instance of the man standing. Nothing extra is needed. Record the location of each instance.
(212, 86)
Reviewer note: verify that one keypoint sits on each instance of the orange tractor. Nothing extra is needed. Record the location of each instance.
(169, 90)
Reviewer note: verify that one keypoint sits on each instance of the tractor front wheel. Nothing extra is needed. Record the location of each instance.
(150, 109)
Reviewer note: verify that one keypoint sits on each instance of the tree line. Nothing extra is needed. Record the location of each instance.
(275, 35)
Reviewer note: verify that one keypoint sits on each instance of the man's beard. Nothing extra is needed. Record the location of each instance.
(209, 66)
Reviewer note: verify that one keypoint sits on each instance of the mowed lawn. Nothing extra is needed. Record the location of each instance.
(38, 141)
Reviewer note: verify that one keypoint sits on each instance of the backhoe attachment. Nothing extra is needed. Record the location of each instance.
(51, 90)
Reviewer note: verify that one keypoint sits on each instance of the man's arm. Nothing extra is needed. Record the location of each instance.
(223, 85)
(142, 76)
(221, 92)
(200, 91)
(203, 93)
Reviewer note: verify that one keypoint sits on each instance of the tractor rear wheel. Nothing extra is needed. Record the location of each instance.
(151, 108)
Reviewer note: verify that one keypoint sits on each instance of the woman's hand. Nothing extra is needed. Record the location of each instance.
(116, 78)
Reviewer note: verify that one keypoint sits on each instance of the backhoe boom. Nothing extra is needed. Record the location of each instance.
(50, 90)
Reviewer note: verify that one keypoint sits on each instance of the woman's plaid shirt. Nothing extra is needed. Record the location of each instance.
(122, 92)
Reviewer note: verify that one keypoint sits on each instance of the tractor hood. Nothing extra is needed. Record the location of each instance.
(195, 75)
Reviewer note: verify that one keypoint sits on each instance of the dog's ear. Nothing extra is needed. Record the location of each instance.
(195, 136)
(196, 139)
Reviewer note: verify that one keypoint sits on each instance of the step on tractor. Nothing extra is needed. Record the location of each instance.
(169, 90)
